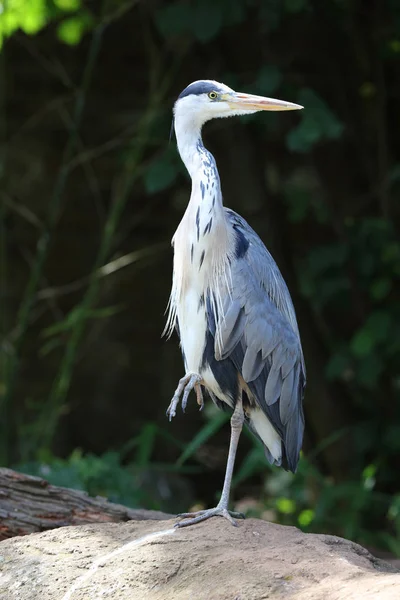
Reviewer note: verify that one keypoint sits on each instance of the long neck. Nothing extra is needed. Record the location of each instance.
(206, 186)
(203, 234)
(202, 240)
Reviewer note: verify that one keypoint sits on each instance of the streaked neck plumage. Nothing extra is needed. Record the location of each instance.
(202, 240)
(191, 149)
(206, 197)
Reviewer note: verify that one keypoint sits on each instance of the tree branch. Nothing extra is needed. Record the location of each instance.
(30, 504)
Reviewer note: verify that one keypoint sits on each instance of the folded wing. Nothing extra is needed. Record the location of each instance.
(257, 331)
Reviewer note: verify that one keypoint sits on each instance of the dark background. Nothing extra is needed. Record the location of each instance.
(91, 193)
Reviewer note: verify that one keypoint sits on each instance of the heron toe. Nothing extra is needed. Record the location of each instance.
(189, 382)
(191, 518)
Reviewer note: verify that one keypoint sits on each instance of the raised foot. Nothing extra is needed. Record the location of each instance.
(192, 518)
(189, 382)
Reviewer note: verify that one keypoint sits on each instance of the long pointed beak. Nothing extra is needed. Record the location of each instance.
(238, 100)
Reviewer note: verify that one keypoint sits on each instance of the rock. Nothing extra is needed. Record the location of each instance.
(150, 560)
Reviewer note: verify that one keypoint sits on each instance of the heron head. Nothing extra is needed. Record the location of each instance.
(206, 99)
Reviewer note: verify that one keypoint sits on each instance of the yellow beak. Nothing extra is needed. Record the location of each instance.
(238, 100)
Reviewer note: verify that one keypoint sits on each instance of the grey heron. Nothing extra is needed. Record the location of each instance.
(229, 303)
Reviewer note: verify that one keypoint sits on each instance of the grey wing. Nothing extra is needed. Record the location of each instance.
(264, 267)
(259, 333)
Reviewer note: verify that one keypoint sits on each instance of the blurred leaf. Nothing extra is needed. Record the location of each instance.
(268, 80)
(375, 330)
(286, 506)
(306, 517)
(161, 173)
(298, 200)
(395, 46)
(270, 14)
(317, 123)
(394, 509)
(329, 288)
(321, 211)
(146, 444)
(303, 137)
(71, 30)
(35, 16)
(369, 471)
(295, 6)
(303, 196)
(378, 323)
(367, 90)
(207, 19)
(174, 19)
(31, 16)
(392, 437)
(307, 283)
(202, 18)
(68, 5)
(234, 12)
(337, 365)
(19, 14)
(380, 288)
(395, 173)
(362, 343)
(328, 256)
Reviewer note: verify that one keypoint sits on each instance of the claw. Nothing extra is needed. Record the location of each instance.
(185, 397)
(199, 396)
(189, 382)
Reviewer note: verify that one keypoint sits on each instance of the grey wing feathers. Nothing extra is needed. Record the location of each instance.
(259, 333)
(265, 269)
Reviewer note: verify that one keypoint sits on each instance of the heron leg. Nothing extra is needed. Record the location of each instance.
(189, 382)
(221, 510)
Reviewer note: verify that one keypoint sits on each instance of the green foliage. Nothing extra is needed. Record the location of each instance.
(68, 5)
(71, 30)
(304, 198)
(286, 506)
(346, 508)
(306, 517)
(323, 278)
(269, 78)
(296, 6)
(134, 483)
(371, 335)
(97, 475)
(33, 15)
(327, 279)
(19, 14)
(202, 19)
(317, 123)
(162, 171)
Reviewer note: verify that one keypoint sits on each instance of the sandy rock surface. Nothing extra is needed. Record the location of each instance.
(214, 561)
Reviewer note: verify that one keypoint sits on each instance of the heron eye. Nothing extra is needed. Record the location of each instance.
(212, 95)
